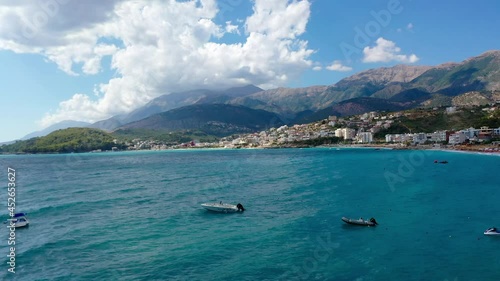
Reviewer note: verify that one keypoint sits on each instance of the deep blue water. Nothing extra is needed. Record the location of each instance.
(137, 215)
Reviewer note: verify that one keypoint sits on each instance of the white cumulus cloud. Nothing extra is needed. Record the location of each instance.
(338, 66)
(156, 47)
(230, 28)
(386, 51)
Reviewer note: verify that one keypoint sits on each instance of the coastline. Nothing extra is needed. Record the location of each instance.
(480, 149)
(490, 149)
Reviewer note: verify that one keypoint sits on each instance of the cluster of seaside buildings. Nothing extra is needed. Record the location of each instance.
(469, 135)
(283, 135)
(333, 127)
(367, 125)
(286, 134)
(138, 144)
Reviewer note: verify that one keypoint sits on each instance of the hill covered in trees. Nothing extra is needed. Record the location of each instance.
(64, 141)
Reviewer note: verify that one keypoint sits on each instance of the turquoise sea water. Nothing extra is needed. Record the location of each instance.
(137, 215)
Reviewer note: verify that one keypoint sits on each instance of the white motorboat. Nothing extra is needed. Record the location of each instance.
(223, 207)
(19, 220)
(492, 231)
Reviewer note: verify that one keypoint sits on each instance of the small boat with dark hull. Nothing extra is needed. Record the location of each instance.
(360, 221)
(223, 207)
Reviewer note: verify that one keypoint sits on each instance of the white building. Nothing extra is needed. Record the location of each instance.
(339, 133)
(365, 137)
(398, 138)
(470, 133)
(346, 133)
(438, 136)
(457, 138)
(349, 134)
(419, 138)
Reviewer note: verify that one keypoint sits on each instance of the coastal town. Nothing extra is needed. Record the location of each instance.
(359, 130)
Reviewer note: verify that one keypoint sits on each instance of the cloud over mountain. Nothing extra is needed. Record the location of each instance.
(338, 66)
(386, 51)
(156, 47)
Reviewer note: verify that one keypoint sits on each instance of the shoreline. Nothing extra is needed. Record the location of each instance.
(476, 149)
(487, 149)
(472, 149)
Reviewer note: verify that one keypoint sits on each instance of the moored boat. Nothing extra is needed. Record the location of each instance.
(360, 221)
(18, 220)
(223, 207)
(493, 231)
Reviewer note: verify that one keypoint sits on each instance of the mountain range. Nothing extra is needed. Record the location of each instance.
(58, 126)
(176, 100)
(215, 119)
(249, 108)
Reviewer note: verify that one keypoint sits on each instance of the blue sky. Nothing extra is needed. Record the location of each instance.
(57, 64)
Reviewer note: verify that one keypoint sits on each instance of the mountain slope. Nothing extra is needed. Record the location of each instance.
(108, 124)
(471, 99)
(175, 100)
(286, 101)
(58, 126)
(477, 73)
(401, 85)
(372, 81)
(214, 119)
(353, 107)
(474, 74)
(229, 94)
(385, 75)
(411, 96)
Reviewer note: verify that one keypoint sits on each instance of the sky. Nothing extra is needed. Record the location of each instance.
(90, 60)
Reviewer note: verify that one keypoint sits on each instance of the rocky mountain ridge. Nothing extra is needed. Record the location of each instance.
(473, 81)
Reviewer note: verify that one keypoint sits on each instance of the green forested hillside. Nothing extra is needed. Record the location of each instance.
(430, 121)
(212, 119)
(427, 121)
(64, 141)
